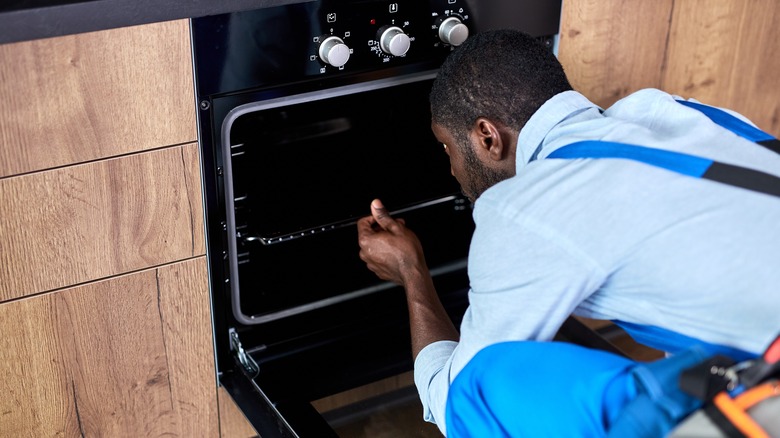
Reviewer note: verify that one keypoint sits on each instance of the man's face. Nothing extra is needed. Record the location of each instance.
(473, 175)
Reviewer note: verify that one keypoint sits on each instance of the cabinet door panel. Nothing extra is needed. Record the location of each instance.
(128, 356)
(38, 397)
(81, 223)
(83, 97)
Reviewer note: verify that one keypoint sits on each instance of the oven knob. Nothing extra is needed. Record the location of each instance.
(453, 31)
(334, 52)
(394, 41)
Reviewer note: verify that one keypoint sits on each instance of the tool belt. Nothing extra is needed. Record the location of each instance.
(740, 399)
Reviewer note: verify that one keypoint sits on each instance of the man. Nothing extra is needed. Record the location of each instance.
(677, 260)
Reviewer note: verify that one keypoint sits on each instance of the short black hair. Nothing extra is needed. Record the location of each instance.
(503, 75)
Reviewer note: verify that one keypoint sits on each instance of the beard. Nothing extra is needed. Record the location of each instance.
(480, 177)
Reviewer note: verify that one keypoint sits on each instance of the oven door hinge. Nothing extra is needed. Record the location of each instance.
(246, 361)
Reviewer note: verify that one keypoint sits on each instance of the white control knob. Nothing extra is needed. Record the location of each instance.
(333, 51)
(453, 31)
(394, 41)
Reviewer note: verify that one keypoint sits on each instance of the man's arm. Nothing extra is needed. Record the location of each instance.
(394, 253)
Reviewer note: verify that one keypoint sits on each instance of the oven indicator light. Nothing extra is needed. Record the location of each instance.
(373, 21)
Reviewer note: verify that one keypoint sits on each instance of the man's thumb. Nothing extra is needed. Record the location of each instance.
(381, 215)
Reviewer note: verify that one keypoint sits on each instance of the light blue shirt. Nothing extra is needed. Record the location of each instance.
(617, 239)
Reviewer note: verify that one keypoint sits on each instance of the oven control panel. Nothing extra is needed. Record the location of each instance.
(314, 40)
(362, 35)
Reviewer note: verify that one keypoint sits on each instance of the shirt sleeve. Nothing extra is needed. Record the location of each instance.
(526, 279)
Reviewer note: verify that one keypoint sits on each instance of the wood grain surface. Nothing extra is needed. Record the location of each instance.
(724, 52)
(232, 422)
(612, 48)
(721, 52)
(129, 356)
(81, 223)
(360, 393)
(83, 97)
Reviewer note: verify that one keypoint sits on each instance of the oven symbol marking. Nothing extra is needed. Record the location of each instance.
(331, 17)
(393, 8)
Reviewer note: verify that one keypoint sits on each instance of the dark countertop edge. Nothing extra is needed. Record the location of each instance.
(68, 19)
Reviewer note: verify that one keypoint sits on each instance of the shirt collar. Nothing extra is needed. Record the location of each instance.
(557, 109)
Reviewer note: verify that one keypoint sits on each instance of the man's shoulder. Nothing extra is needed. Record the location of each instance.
(644, 98)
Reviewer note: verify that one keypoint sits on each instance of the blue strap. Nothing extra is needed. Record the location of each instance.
(685, 164)
(728, 121)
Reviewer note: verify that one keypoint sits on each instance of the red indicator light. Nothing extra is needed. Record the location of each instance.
(373, 21)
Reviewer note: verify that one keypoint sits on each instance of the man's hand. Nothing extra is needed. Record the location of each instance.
(394, 253)
(389, 249)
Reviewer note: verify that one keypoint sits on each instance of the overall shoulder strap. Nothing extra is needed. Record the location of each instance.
(687, 164)
(736, 125)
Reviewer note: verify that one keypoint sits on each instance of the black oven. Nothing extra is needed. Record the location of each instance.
(307, 112)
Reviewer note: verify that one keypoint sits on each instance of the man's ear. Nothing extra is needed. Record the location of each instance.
(488, 140)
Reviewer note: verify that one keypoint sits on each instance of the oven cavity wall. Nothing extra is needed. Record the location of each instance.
(105, 325)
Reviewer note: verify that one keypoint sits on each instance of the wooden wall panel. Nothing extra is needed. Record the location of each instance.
(724, 52)
(83, 97)
(612, 48)
(80, 223)
(111, 358)
(232, 422)
(721, 52)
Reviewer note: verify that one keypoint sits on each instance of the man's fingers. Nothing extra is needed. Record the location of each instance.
(382, 217)
(365, 224)
(365, 228)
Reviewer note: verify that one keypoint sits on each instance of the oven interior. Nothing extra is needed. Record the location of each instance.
(301, 174)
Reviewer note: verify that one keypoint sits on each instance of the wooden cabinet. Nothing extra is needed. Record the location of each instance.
(84, 222)
(104, 305)
(720, 52)
(126, 356)
(91, 96)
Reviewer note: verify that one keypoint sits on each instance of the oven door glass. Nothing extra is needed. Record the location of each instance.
(305, 168)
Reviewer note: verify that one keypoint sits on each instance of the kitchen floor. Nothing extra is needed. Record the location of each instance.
(398, 412)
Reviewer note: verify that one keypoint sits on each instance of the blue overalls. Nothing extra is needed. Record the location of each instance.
(555, 389)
